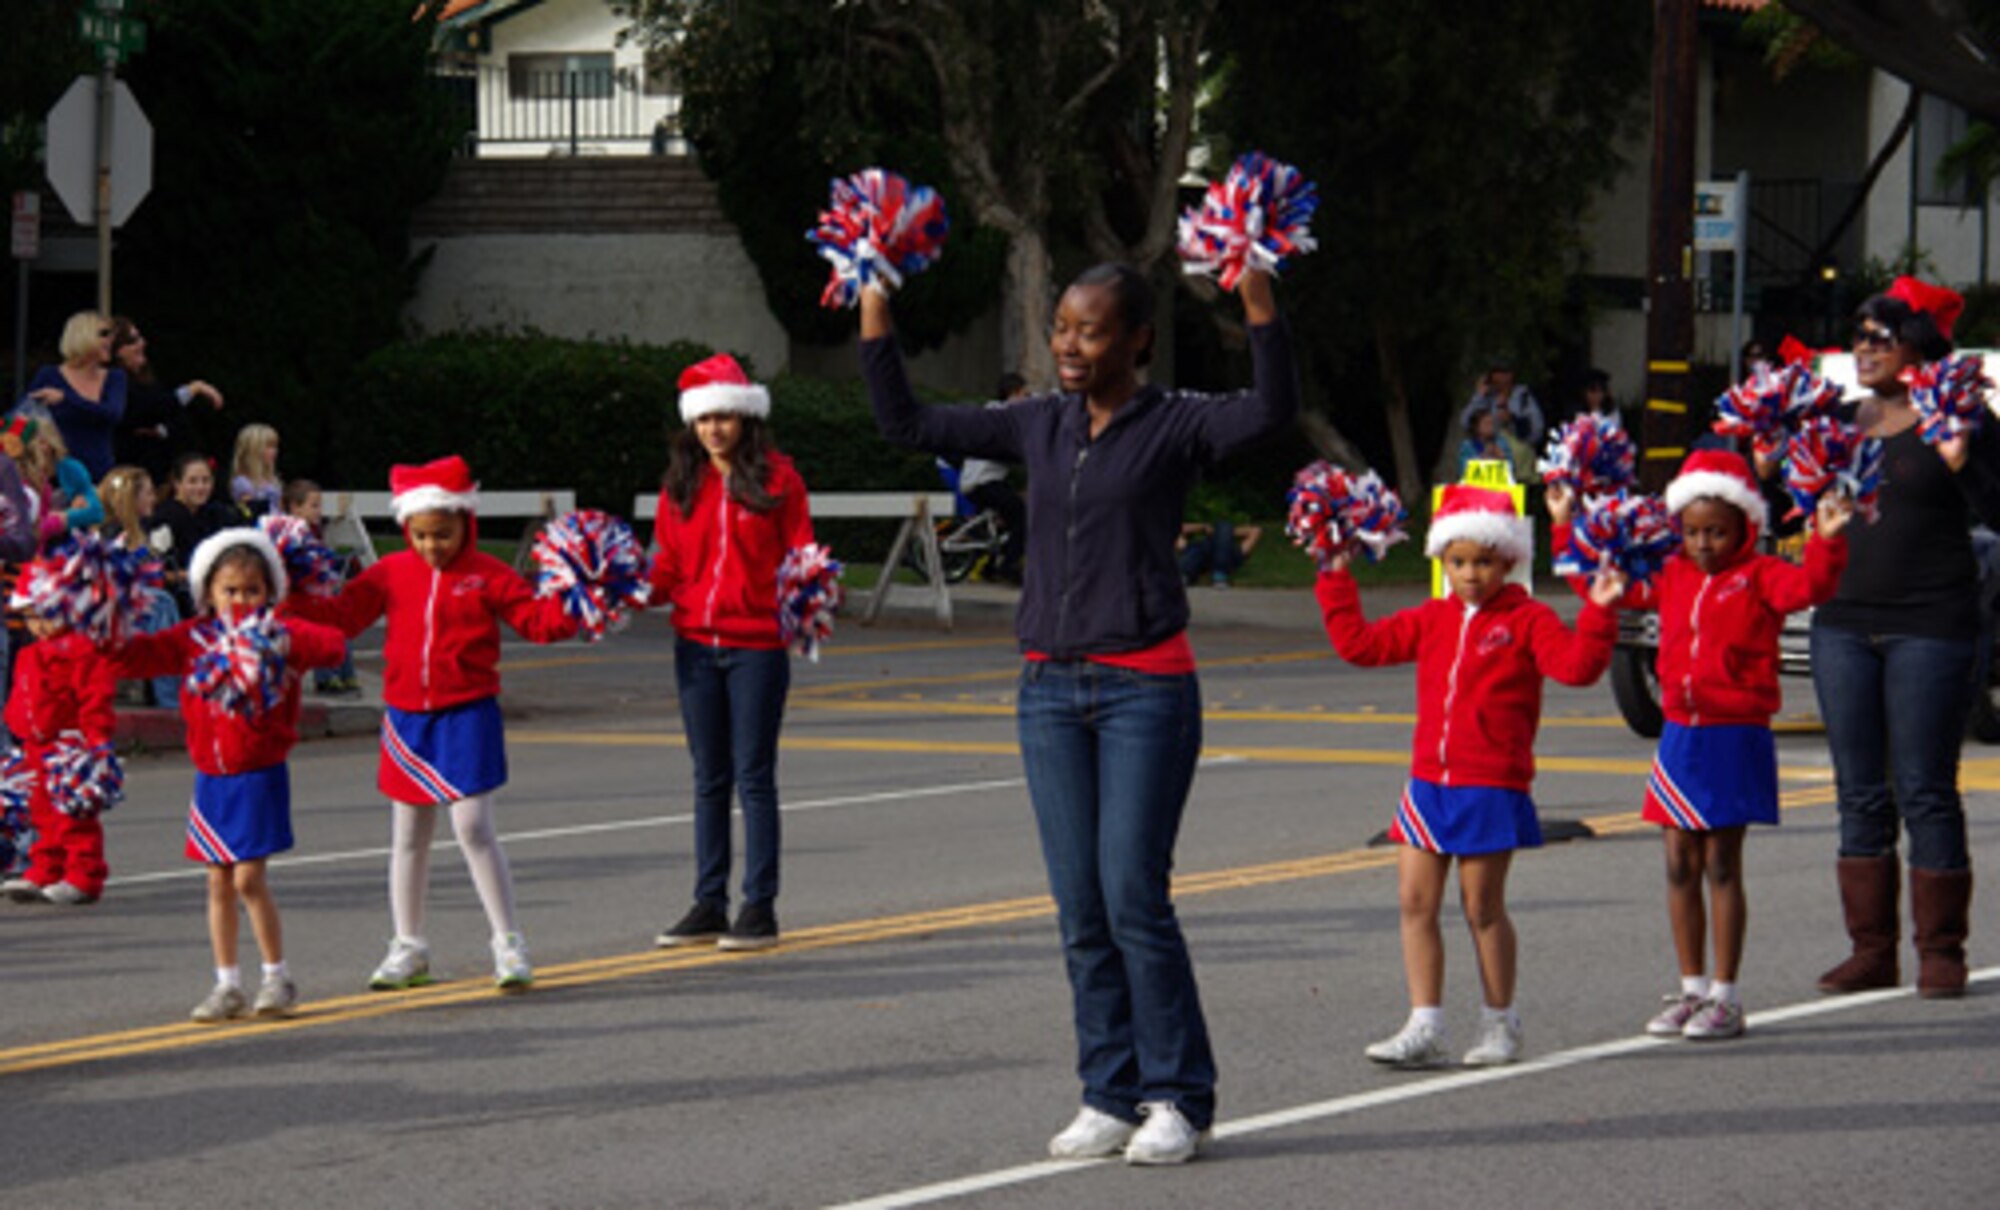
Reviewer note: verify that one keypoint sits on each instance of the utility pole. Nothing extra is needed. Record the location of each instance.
(1668, 426)
(107, 91)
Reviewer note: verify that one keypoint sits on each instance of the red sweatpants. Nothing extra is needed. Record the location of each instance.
(66, 849)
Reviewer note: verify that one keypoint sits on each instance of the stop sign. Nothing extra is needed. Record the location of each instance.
(73, 151)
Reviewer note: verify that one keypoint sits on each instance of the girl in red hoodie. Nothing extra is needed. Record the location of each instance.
(1722, 606)
(61, 683)
(1481, 654)
(241, 812)
(732, 507)
(442, 743)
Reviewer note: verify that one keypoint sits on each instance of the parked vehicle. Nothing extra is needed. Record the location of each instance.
(968, 541)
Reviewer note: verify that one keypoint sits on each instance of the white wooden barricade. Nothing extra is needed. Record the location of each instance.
(917, 509)
(349, 512)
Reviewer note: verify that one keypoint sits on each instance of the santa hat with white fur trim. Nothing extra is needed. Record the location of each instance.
(720, 385)
(1718, 475)
(212, 548)
(443, 486)
(1482, 515)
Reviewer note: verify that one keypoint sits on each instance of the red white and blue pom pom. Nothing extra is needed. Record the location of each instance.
(1627, 531)
(1951, 397)
(1772, 403)
(90, 584)
(809, 593)
(1589, 457)
(241, 668)
(310, 564)
(85, 779)
(1829, 454)
(593, 563)
(17, 828)
(876, 230)
(1257, 217)
(1330, 511)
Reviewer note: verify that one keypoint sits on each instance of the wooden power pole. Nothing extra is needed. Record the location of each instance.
(1669, 425)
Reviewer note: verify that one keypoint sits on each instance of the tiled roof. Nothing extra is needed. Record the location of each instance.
(1734, 6)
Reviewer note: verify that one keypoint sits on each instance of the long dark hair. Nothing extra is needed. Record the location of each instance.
(750, 466)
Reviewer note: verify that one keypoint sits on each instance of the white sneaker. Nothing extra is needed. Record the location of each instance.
(1166, 1138)
(68, 895)
(1499, 1043)
(1415, 1046)
(1092, 1135)
(511, 972)
(223, 1003)
(277, 996)
(20, 890)
(1715, 1019)
(408, 964)
(1669, 1021)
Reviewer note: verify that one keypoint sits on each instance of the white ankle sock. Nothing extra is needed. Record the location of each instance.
(1724, 992)
(229, 976)
(277, 970)
(1695, 985)
(1429, 1014)
(1488, 1013)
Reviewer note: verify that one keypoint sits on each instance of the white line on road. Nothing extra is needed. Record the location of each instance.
(591, 829)
(1341, 1106)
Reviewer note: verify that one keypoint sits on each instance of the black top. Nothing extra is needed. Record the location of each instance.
(1912, 570)
(1100, 575)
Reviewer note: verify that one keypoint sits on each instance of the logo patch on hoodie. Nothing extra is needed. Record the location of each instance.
(1730, 587)
(470, 584)
(1494, 640)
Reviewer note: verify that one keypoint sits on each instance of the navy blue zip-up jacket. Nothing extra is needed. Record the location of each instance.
(1101, 576)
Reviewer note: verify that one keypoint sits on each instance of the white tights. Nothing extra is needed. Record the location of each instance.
(410, 863)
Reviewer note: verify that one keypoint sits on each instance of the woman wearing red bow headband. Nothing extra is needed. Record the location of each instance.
(1893, 657)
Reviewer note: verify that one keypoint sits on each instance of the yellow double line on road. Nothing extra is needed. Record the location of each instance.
(342, 1010)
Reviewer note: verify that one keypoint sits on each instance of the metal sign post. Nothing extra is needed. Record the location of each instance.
(26, 244)
(116, 36)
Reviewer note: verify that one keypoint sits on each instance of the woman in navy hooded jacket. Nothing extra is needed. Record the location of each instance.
(1109, 708)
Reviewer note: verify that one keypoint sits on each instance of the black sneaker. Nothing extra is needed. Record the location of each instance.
(703, 923)
(756, 928)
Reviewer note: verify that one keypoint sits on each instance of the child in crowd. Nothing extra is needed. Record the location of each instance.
(253, 471)
(1721, 607)
(61, 683)
(241, 811)
(1481, 654)
(442, 743)
(302, 499)
(127, 492)
(190, 514)
(60, 492)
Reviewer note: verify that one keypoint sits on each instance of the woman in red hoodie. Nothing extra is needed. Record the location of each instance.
(442, 743)
(1481, 654)
(732, 507)
(241, 812)
(1722, 606)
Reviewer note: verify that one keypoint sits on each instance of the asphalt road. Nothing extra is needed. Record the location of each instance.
(911, 1040)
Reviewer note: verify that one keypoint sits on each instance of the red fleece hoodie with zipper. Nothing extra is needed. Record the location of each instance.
(1718, 654)
(443, 643)
(1479, 673)
(718, 565)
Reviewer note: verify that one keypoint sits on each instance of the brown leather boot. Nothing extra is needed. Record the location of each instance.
(1940, 904)
(1868, 897)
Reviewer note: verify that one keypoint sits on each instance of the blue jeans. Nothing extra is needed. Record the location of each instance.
(732, 700)
(1895, 707)
(1110, 756)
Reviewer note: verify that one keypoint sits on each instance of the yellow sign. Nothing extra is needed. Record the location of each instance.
(1497, 474)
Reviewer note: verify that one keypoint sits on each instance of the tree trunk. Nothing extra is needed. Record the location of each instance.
(1396, 407)
(1024, 314)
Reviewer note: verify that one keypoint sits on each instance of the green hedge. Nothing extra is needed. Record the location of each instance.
(536, 411)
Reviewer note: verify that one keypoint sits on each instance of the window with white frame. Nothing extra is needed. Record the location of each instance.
(533, 77)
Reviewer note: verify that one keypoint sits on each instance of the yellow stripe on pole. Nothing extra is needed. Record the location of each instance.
(1666, 367)
(1666, 405)
(1666, 452)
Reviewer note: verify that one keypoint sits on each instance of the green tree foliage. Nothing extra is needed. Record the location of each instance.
(1457, 152)
(40, 53)
(292, 141)
(777, 100)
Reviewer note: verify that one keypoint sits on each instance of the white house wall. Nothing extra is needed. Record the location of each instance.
(563, 27)
(650, 288)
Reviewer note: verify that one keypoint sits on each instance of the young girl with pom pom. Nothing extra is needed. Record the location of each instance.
(62, 683)
(128, 497)
(240, 814)
(1721, 607)
(254, 484)
(442, 741)
(733, 506)
(1481, 654)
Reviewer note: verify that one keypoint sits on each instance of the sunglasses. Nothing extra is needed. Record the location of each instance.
(1871, 336)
